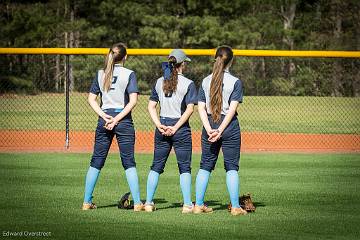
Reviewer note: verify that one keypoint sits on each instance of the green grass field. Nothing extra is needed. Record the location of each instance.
(298, 196)
(261, 114)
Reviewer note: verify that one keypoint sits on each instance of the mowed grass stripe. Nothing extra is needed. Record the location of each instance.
(324, 115)
(299, 196)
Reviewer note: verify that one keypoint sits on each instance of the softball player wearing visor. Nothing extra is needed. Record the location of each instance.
(177, 96)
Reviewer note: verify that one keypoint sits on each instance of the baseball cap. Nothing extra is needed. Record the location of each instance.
(179, 55)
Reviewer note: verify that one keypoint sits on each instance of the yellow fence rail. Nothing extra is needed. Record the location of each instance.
(191, 52)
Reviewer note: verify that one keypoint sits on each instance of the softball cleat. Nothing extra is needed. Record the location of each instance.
(138, 207)
(187, 208)
(149, 207)
(88, 206)
(202, 209)
(238, 211)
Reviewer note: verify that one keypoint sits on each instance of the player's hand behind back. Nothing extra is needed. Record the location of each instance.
(111, 125)
(214, 135)
(109, 121)
(171, 130)
(162, 129)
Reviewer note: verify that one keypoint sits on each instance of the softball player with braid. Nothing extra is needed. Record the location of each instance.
(117, 87)
(219, 95)
(177, 96)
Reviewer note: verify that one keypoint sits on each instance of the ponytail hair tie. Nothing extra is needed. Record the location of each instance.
(167, 69)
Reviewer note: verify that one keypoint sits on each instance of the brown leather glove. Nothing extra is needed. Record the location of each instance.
(246, 203)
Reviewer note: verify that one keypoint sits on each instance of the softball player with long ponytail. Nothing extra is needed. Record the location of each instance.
(118, 89)
(219, 95)
(177, 96)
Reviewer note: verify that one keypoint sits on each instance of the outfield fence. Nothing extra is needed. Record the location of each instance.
(296, 101)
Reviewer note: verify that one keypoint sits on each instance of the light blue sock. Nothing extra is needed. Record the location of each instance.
(185, 183)
(232, 183)
(202, 180)
(151, 186)
(90, 182)
(133, 181)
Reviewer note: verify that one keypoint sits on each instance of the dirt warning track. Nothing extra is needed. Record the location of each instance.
(54, 141)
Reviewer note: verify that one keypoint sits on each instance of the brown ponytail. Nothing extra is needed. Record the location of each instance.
(171, 84)
(223, 56)
(116, 54)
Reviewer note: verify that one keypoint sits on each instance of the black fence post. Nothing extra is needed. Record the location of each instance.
(67, 99)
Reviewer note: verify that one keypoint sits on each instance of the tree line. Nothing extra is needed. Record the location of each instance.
(242, 24)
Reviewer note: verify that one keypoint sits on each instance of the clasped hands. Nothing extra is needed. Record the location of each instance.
(167, 130)
(110, 121)
(214, 135)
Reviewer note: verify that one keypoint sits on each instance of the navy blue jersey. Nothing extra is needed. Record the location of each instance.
(123, 83)
(174, 105)
(232, 91)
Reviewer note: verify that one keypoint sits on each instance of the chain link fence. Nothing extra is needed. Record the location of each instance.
(290, 104)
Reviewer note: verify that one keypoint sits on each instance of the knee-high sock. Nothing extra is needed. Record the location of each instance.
(90, 182)
(232, 183)
(133, 181)
(151, 185)
(202, 180)
(185, 184)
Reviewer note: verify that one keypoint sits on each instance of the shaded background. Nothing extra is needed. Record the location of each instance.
(315, 98)
(242, 24)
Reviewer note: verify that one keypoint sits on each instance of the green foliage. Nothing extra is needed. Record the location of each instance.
(282, 86)
(305, 81)
(16, 84)
(242, 24)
